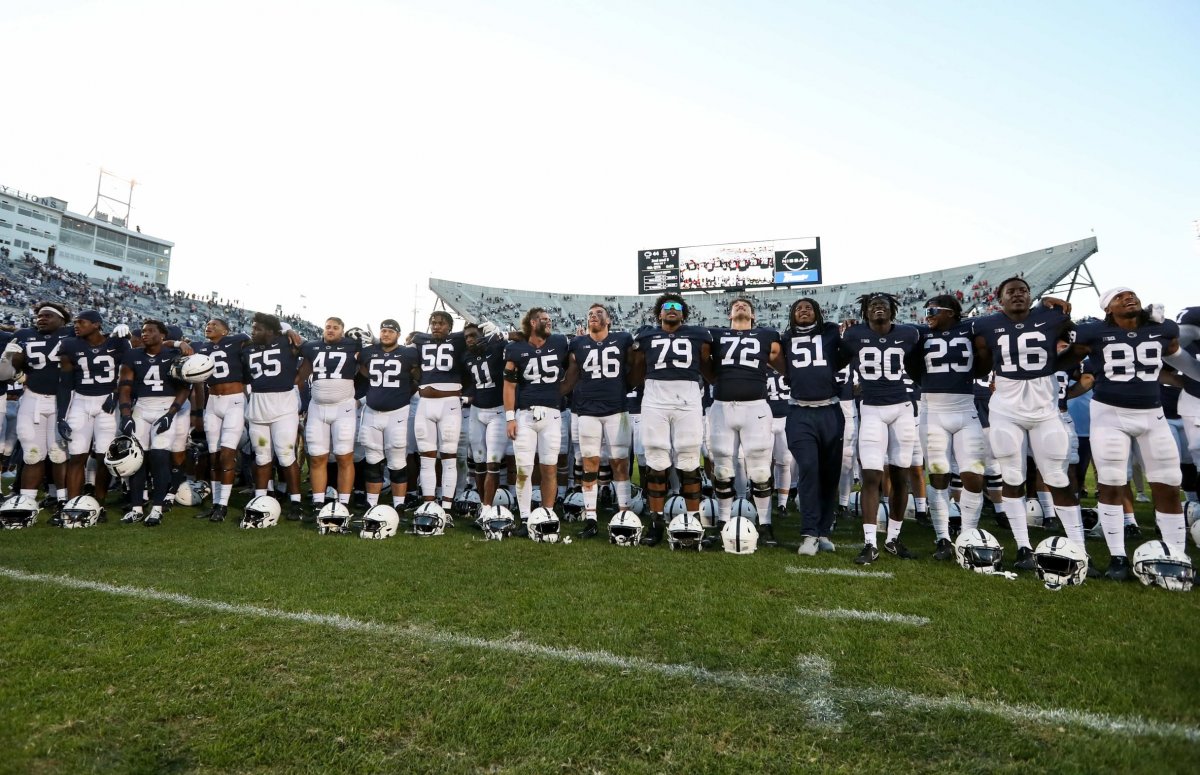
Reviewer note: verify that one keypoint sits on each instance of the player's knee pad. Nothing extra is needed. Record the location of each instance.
(398, 475)
(760, 489)
(32, 455)
(689, 480)
(723, 488)
(286, 457)
(57, 454)
(373, 472)
(656, 483)
(589, 477)
(606, 474)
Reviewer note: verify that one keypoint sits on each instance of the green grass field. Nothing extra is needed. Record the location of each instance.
(198, 647)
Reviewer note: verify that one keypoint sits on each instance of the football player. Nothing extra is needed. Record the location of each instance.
(488, 433)
(949, 422)
(90, 364)
(671, 361)
(35, 351)
(221, 402)
(272, 359)
(779, 398)
(1129, 349)
(597, 372)
(331, 362)
(739, 415)
(533, 372)
(1189, 400)
(438, 421)
(391, 370)
(811, 357)
(884, 354)
(1020, 345)
(145, 377)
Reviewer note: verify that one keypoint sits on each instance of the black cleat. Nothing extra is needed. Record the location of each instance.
(589, 529)
(839, 511)
(295, 512)
(945, 550)
(868, 555)
(923, 519)
(218, 513)
(168, 504)
(89, 489)
(1133, 531)
(56, 520)
(103, 515)
(154, 518)
(1025, 560)
(206, 514)
(1118, 569)
(897, 547)
(766, 534)
(522, 531)
(654, 533)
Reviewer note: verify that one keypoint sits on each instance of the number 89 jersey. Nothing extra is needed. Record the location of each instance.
(541, 370)
(1127, 363)
(600, 391)
(881, 362)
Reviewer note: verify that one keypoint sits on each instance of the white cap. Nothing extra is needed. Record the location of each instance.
(1107, 297)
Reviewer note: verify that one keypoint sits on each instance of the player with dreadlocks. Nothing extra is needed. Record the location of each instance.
(884, 354)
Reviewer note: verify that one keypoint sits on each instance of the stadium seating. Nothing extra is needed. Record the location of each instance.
(1042, 269)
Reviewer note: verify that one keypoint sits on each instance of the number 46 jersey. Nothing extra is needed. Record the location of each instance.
(600, 391)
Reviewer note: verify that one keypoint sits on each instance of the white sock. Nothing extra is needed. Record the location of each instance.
(1014, 509)
(869, 534)
(1047, 502)
(344, 498)
(894, 526)
(525, 491)
(1129, 518)
(590, 496)
(763, 505)
(449, 478)
(1173, 529)
(372, 500)
(624, 493)
(939, 512)
(1072, 519)
(1114, 530)
(970, 504)
(724, 509)
(259, 493)
(921, 504)
(428, 477)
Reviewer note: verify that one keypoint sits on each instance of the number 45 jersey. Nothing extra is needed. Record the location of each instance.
(600, 391)
(541, 369)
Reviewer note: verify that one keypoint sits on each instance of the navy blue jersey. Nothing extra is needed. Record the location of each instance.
(337, 360)
(1170, 400)
(272, 366)
(541, 369)
(1190, 316)
(1065, 381)
(151, 373)
(389, 376)
(601, 388)
(633, 401)
(740, 359)
(441, 361)
(779, 394)
(949, 358)
(226, 354)
(486, 370)
(96, 368)
(814, 359)
(1127, 363)
(880, 360)
(1026, 349)
(673, 355)
(41, 358)
(845, 380)
(1191, 386)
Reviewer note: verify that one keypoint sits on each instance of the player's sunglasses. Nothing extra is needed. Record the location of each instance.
(672, 305)
(931, 311)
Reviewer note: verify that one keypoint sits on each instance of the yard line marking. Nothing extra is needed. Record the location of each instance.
(858, 574)
(864, 616)
(812, 686)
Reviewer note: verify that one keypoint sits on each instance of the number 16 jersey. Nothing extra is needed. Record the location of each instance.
(1024, 360)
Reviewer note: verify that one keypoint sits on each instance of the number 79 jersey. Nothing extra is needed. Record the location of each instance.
(541, 369)
(1127, 363)
(600, 391)
(673, 355)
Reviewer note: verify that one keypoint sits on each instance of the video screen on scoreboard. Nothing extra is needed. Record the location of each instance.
(734, 265)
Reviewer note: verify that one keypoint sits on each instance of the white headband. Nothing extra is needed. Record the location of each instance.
(1107, 297)
(52, 311)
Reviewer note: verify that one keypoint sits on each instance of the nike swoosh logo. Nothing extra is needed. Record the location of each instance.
(1039, 325)
(1153, 336)
(1160, 417)
(761, 416)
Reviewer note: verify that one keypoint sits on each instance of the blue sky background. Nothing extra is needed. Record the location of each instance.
(346, 152)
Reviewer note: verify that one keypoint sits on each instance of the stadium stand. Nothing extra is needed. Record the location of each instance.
(25, 280)
(973, 284)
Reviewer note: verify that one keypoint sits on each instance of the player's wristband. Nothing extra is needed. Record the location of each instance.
(197, 413)
(125, 407)
(510, 416)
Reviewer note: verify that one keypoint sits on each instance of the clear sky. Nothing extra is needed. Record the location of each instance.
(333, 156)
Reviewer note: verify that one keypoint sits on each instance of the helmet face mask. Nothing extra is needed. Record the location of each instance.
(573, 507)
(380, 522)
(1060, 563)
(543, 526)
(979, 551)
(496, 522)
(260, 512)
(685, 532)
(468, 504)
(1157, 563)
(81, 511)
(18, 511)
(334, 519)
(429, 520)
(625, 529)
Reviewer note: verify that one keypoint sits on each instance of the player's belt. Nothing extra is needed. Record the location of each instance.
(815, 404)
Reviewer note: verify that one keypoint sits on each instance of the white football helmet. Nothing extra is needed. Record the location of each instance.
(685, 532)
(1060, 563)
(543, 526)
(1033, 512)
(674, 506)
(468, 504)
(978, 550)
(262, 511)
(429, 520)
(334, 518)
(625, 529)
(360, 335)
(739, 536)
(18, 511)
(709, 511)
(124, 456)
(744, 508)
(1159, 563)
(1196, 532)
(535, 498)
(380, 522)
(1191, 513)
(637, 501)
(573, 506)
(81, 511)
(193, 368)
(497, 523)
(192, 493)
(504, 497)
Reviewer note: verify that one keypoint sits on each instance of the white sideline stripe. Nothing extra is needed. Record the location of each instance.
(811, 687)
(864, 616)
(858, 574)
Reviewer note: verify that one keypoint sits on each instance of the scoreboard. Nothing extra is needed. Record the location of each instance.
(731, 266)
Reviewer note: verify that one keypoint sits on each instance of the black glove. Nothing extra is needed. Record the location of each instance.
(128, 428)
(64, 430)
(110, 403)
(163, 424)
